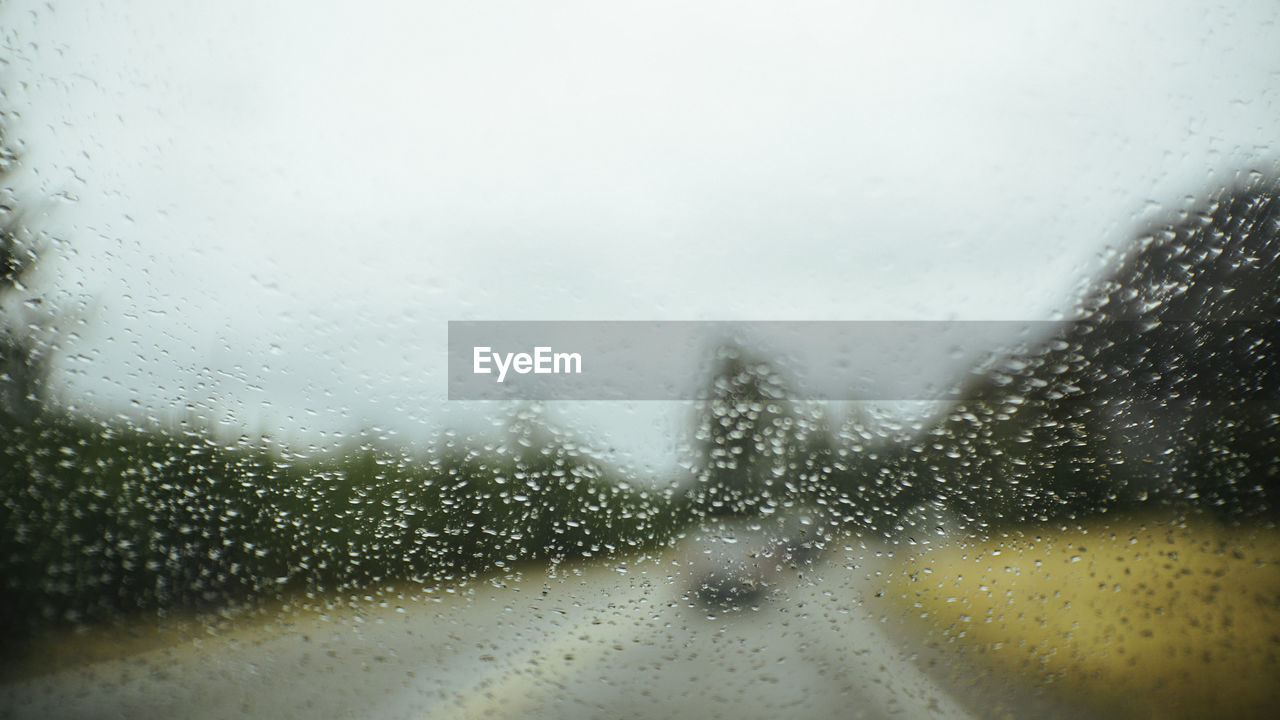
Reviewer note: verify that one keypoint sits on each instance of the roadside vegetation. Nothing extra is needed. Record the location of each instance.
(1169, 617)
(101, 518)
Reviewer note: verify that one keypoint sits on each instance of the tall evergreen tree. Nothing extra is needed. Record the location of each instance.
(23, 358)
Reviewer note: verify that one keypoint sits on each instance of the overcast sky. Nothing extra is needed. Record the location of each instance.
(272, 209)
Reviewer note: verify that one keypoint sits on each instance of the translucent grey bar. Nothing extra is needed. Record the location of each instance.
(815, 360)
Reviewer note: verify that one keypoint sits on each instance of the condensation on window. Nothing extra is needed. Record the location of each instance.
(233, 482)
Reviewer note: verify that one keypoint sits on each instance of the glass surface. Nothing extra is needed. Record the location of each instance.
(1039, 479)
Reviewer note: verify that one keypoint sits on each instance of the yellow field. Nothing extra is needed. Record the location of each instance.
(1131, 619)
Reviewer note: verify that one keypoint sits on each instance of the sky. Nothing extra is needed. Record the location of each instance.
(267, 212)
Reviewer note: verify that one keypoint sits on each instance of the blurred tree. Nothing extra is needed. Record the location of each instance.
(1164, 388)
(747, 435)
(24, 361)
(761, 451)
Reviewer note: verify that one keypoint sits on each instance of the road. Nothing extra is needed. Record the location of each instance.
(616, 640)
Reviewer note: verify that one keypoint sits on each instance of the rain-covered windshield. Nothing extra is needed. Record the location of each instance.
(670, 360)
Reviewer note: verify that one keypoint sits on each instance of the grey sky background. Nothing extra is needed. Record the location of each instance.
(271, 210)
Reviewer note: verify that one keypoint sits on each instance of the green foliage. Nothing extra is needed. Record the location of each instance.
(1162, 391)
(100, 518)
(23, 360)
(748, 433)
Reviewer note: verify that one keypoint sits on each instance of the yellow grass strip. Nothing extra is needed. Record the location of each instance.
(1131, 619)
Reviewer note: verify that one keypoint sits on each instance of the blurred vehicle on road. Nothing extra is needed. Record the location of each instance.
(737, 563)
